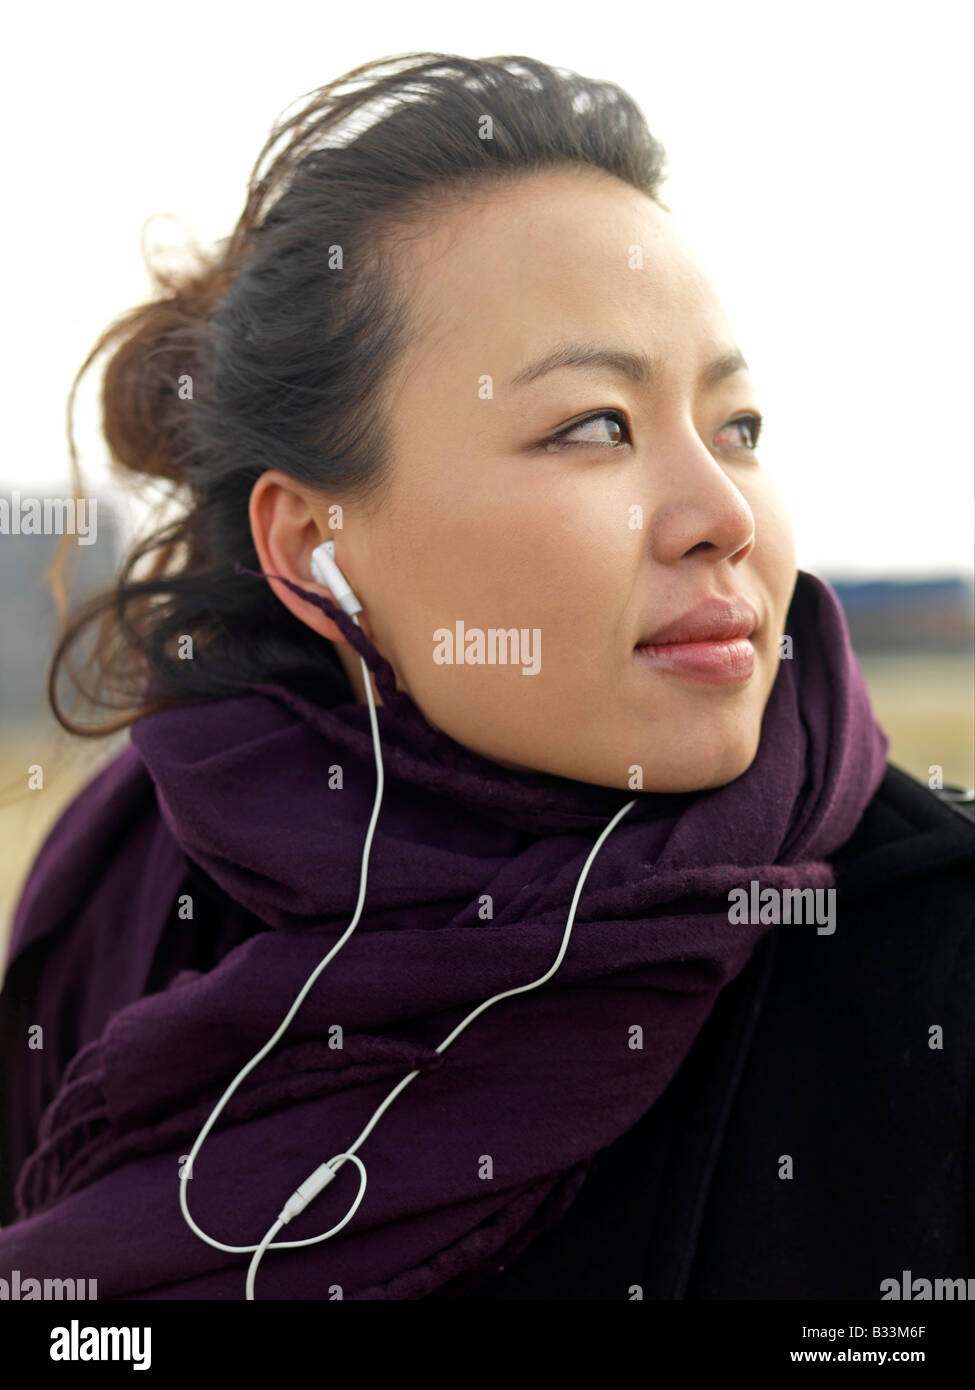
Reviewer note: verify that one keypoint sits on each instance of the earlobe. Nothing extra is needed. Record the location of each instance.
(304, 608)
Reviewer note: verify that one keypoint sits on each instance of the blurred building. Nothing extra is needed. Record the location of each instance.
(28, 612)
(902, 616)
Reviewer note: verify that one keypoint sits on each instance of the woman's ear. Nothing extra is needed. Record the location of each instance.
(285, 532)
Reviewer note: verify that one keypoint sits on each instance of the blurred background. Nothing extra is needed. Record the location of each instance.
(821, 164)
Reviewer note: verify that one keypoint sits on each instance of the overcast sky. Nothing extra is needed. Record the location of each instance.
(821, 160)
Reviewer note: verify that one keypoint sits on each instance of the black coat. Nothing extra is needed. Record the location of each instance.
(819, 1050)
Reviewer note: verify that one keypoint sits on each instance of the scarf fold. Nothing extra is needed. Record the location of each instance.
(472, 871)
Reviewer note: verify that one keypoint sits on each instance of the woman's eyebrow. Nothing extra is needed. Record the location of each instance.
(638, 368)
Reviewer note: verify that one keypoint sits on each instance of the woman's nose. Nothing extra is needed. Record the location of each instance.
(695, 505)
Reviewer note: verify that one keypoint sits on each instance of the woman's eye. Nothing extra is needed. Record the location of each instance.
(593, 431)
(748, 425)
(589, 431)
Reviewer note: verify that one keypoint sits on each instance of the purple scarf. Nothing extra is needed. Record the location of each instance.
(490, 1143)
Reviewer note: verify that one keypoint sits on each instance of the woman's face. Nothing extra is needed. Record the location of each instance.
(589, 544)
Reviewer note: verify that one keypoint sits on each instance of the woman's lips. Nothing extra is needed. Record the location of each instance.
(717, 663)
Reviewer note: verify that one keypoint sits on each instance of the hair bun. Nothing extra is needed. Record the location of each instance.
(151, 378)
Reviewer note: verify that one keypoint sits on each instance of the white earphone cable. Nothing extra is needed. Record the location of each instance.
(325, 1172)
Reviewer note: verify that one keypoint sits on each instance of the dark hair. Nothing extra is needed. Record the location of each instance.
(272, 352)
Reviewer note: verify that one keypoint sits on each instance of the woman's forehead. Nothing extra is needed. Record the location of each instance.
(494, 289)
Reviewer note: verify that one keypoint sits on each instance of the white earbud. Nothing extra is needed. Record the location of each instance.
(327, 572)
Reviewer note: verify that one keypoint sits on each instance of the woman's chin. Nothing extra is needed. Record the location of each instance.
(700, 768)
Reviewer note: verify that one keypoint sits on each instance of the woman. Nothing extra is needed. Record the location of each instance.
(623, 774)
